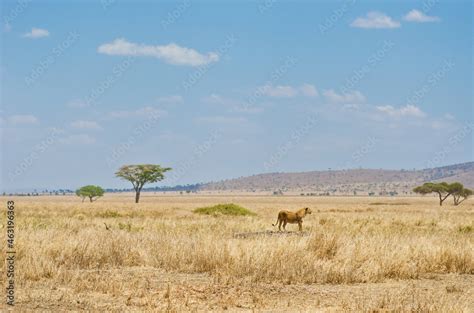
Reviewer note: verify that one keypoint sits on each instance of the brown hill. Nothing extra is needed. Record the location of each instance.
(359, 181)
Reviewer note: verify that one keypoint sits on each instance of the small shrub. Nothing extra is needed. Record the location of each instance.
(224, 209)
(453, 288)
(109, 214)
(465, 229)
(129, 227)
(125, 226)
(39, 224)
(80, 216)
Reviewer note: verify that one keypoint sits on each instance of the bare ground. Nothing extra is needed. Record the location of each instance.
(142, 288)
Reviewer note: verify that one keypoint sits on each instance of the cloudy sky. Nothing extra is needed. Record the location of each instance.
(220, 91)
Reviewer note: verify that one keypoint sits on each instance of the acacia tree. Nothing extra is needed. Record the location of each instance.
(462, 195)
(444, 190)
(90, 191)
(141, 174)
(456, 189)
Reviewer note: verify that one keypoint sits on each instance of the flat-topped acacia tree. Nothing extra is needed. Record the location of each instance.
(444, 190)
(141, 174)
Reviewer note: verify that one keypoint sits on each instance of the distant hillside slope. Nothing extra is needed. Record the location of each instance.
(463, 173)
(347, 181)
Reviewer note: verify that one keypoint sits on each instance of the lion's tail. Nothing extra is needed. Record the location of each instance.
(278, 218)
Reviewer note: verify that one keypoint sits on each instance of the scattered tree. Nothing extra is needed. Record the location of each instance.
(442, 189)
(141, 174)
(462, 195)
(90, 191)
(278, 193)
(455, 189)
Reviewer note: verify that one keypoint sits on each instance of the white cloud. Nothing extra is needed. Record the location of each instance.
(215, 98)
(279, 91)
(86, 125)
(218, 99)
(436, 124)
(449, 117)
(351, 97)
(170, 99)
(142, 112)
(77, 103)
(55, 130)
(288, 91)
(406, 111)
(375, 19)
(238, 141)
(22, 119)
(309, 90)
(80, 139)
(36, 33)
(351, 107)
(221, 120)
(246, 109)
(7, 27)
(171, 53)
(169, 135)
(420, 17)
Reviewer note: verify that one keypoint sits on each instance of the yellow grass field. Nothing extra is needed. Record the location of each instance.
(355, 254)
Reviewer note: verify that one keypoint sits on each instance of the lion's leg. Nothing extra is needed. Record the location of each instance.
(279, 224)
(284, 225)
(300, 225)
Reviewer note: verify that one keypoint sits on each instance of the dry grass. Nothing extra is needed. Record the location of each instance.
(115, 255)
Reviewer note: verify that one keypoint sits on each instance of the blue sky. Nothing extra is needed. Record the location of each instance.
(227, 90)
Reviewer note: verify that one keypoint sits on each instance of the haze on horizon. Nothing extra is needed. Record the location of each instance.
(221, 91)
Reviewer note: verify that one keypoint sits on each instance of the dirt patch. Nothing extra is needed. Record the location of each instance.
(389, 203)
(271, 233)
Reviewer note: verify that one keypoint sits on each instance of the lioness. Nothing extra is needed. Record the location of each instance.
(285, 217)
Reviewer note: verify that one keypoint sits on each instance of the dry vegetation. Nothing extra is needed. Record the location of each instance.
(359, 254)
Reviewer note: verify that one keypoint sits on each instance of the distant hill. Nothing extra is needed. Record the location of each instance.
(359, 181)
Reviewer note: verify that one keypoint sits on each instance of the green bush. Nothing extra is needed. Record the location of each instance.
(224, 209)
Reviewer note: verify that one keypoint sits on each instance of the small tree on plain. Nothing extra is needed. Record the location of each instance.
(442, 189)
(455, 189)
(90, 191)
(462, 195)
(141, 174)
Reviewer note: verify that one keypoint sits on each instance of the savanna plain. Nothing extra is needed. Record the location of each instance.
(355, 254)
